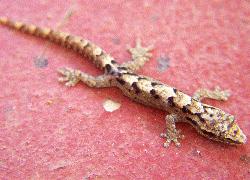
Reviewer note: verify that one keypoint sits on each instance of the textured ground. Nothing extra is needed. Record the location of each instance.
(48, 131)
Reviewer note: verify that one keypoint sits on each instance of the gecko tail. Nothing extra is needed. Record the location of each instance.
(82, 46)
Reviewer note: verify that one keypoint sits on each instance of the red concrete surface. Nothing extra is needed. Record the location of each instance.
(49, 131)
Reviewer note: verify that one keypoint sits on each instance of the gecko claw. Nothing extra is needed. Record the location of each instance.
(139, 51)
(70, 77)
(170, 136)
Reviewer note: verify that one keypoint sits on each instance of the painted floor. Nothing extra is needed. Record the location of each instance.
(49, 131)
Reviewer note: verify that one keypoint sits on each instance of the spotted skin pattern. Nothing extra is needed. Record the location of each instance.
(209, 121)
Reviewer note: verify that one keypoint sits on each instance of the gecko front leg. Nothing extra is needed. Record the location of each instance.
(139, 54)
(216, 94)
(73, 76)
(172, 134)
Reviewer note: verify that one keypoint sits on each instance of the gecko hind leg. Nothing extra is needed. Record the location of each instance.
(72, 76)
(216, 94)
(139, 54)
(172, 134)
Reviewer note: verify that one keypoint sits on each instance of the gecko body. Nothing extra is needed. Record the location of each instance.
(209, 121)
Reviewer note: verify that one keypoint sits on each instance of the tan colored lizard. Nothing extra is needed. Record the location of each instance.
(209, 121)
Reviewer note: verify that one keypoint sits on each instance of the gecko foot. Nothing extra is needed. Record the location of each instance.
(70, 76)
(217, 94)
(172, 136)
(138, 51)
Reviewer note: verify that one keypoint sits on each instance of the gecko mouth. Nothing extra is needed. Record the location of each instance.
(222, 139)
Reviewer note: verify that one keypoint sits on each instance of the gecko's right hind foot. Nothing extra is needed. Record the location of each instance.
(70, 76)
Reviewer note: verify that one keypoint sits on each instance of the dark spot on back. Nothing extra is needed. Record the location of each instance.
(175, 90)
(134, 85)
(152, 92)
(185, 109)
(121, 81)
(171, 101)
(108, 68)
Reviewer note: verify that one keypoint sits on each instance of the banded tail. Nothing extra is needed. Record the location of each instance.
(82, 46)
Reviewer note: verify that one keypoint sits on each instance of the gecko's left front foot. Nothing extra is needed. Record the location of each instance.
(172, 134)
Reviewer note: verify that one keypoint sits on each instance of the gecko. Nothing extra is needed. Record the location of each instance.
(209, 121)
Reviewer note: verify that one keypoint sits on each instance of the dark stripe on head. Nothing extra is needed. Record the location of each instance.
(192, 121)
(199, 115)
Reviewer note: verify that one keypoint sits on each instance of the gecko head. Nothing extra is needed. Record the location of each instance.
(233, 134)
(221, 126)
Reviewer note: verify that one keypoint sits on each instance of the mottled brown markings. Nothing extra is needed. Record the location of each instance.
(136, 88)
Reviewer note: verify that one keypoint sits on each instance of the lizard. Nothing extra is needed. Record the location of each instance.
(209, 121)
